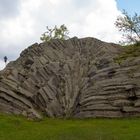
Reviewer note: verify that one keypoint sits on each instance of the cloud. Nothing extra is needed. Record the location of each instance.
(83, 18)
(2, 64)
(9, 8)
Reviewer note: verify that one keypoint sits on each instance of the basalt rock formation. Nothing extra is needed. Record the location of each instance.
(71, 78)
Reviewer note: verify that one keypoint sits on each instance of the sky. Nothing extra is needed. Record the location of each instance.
(23, 21)
(131, 6)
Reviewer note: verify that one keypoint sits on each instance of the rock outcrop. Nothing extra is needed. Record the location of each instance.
(71, 78)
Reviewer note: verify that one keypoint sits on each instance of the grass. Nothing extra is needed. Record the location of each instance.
(19, 128)
(130, 51)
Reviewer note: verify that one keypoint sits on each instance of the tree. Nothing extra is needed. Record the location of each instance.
(55, 33)
(130, 26)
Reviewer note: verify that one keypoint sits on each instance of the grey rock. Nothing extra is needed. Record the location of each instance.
(71, 78)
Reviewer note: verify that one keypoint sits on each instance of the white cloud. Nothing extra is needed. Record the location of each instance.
(2, 64)
(90, 18)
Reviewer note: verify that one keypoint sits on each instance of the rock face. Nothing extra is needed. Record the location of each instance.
(71, 78)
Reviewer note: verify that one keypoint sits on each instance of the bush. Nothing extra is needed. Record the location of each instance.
(55, 33)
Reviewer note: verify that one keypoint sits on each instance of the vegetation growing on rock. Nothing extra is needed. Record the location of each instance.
(128, 52)
(55, 33)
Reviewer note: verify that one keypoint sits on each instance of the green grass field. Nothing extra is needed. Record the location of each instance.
(19, 128)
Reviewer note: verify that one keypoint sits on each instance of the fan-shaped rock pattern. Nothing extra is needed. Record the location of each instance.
(71, 78)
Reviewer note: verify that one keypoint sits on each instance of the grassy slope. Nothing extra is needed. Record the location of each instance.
(18, 128)
(130, 51)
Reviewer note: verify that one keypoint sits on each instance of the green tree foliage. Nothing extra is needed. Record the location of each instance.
(129, 26)
(55, 33)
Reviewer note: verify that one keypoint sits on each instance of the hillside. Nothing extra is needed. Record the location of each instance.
(77, 78)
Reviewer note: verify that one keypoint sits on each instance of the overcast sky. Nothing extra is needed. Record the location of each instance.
(23, 21)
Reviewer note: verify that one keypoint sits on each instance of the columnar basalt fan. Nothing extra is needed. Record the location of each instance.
(71, 78)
